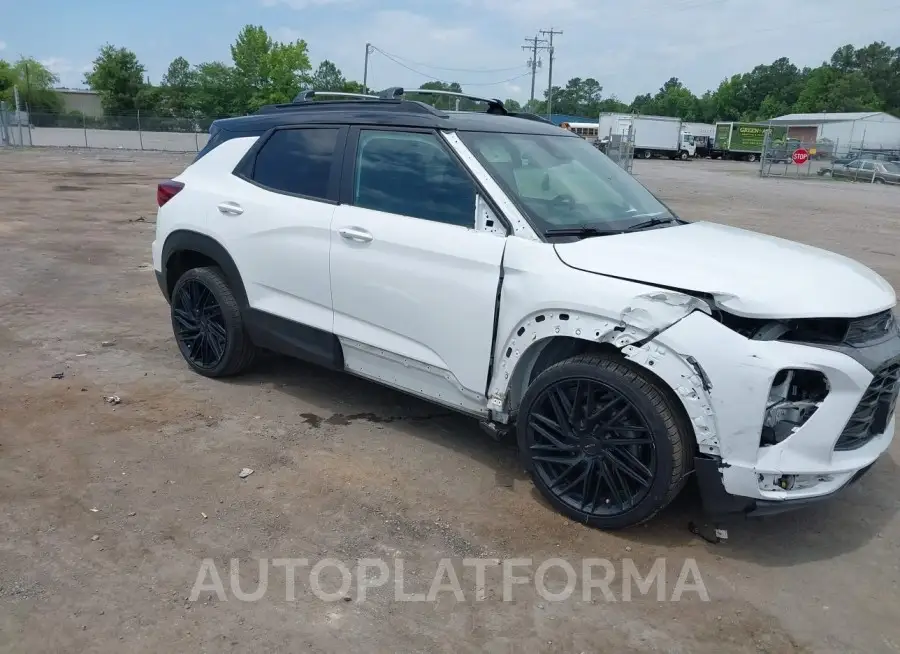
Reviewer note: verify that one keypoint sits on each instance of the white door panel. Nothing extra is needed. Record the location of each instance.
(280, 245)
(415, 288)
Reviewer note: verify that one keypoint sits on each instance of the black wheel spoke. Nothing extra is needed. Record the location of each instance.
(608, 476)
(591, 446)
(562, 475)
(589, 477)
(610, 442)
(626, 463)
(561, 408)
(580, 402)
(199, 324)
(553, 443)
(598, 417)
(573, 483)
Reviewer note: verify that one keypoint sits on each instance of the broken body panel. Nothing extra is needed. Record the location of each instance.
(722, 378)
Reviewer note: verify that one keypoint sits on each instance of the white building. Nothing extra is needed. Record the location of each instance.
(872, 130)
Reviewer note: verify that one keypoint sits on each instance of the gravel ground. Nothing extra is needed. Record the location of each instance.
(109, 509)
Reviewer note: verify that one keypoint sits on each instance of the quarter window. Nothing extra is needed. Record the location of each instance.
(297, 161)
(411, 174)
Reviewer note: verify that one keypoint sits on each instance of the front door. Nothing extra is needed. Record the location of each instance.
(412, 281)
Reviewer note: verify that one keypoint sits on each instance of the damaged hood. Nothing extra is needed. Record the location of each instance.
(749, 274)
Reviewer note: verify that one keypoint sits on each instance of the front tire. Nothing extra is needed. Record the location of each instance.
(751, 158)
(206, 320)
(602, 442)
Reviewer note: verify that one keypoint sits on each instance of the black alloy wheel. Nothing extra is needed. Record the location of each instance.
(199, 325)
(206, 320)
(592, 446)
(602, 442)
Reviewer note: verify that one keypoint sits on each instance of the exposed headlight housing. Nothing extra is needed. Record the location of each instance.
(794, 397)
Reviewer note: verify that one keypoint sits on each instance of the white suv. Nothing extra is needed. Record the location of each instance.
(505, 268)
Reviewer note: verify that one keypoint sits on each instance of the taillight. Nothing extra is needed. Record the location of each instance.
(167, 190)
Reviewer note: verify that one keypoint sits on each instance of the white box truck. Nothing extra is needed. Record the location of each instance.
(660, 136)
(704, 137)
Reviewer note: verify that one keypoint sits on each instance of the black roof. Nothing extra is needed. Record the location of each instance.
(398, 113)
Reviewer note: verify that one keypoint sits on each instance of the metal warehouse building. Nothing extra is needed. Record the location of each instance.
(864, 129)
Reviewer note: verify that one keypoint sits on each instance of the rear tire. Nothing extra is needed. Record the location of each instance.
(647, 154)
(602, 443)
(207, 324)
(751, 158)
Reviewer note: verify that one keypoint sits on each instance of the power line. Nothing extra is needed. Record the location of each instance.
(535, 44)
(458, 70)
(438, 79)
(551, 32)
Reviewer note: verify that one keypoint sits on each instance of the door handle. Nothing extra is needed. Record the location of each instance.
(230, 208)
(357, 234)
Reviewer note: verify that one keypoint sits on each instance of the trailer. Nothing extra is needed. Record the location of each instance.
(744, 140)
(659, 136)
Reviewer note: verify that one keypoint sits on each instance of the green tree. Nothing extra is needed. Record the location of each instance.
(512, 105)
(118, 77)
(178, 90)
(266, 71)
(328, 77)
(829, 89)
(217, 93)
(35, 83)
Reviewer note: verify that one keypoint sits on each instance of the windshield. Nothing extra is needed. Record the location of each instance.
(564, 182)
(687, 138)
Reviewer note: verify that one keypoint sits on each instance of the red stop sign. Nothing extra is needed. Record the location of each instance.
(800, 156)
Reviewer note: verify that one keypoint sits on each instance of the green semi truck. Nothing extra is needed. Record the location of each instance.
(744, 140)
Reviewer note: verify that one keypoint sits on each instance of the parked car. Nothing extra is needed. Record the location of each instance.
(507, 269)
(863, 170)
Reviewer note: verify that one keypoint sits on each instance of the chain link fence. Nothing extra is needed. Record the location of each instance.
(619, 148)
(14, 129)
(143, 132)
(138, 132)
(829, 159)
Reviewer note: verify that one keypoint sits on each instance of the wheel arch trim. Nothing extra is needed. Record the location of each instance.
(184, 240)
(635, 343)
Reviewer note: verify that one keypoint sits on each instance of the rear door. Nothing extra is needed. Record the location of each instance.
(410, 276)
(275, 218)
(867, 171)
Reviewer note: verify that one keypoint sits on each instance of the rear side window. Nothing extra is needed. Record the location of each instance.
(297, 161)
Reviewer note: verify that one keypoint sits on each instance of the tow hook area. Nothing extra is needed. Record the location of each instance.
(711, 532)
(496, 431)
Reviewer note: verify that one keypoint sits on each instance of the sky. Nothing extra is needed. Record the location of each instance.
(629, 47)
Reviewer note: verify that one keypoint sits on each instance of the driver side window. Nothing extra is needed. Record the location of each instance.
(412, 174)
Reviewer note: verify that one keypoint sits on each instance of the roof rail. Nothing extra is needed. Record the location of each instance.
(308, 95)
(495, 106)
(530, 116)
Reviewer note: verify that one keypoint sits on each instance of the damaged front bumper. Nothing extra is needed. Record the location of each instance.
(736, 470)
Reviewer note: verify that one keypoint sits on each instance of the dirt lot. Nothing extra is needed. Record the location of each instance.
(110, 509)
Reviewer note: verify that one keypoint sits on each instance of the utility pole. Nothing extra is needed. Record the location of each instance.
(551, 32)
(366, 68)
(534, 45)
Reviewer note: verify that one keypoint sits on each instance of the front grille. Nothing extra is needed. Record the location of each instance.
(870, 328)
(874, 409)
